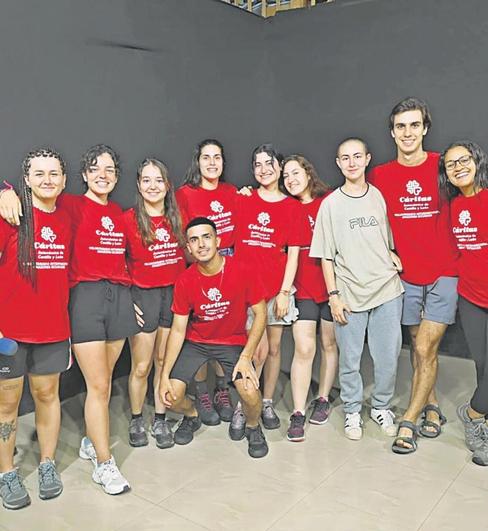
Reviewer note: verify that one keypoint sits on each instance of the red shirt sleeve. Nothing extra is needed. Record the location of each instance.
(255, 291)
(181, 303)
(6, 231)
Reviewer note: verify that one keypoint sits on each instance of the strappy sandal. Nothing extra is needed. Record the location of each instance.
(412, 441)
(430, 424)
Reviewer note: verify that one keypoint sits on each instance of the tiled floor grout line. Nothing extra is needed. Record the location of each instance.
(314, 489)
(441, 497)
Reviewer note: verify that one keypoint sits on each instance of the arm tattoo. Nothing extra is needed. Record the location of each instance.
(6, 430)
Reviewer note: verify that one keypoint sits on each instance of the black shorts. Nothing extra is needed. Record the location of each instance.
(36, 358)
(194, 355)
(155, 304)
(101, 311)
(309, 310)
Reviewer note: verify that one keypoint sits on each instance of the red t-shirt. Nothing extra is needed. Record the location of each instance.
(217, 205)
(99, 240)
(419, 219)
(469, 219)
(263, 231)
(158, 264)
(36, 315)
(309, 280)
(217, 304)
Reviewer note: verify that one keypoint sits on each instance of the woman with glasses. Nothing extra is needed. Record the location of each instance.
(463, 176)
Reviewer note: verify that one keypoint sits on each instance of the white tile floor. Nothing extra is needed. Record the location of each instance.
(326, 482)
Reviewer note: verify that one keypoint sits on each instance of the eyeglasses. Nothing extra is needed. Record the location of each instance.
(463, 161)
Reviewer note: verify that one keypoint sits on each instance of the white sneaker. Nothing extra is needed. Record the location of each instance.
(87, 450)
(353, 426)
(386, 420)
(109, 477)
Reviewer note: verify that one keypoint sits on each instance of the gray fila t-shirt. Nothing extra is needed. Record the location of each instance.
(354, 233)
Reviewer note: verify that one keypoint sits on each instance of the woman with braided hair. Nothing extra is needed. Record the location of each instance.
(34, 312)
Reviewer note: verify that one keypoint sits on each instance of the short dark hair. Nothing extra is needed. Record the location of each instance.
(480, 160)
(353, 139)
(89, 158)
(269, 150)
(412, 104)
(200, 221)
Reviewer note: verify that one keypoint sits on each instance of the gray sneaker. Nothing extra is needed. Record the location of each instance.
(480, 455)
(237, 427)
(184, 433)
(137, 433)
(206, 411)
(257, 446)
(269, 417)
(50, 485)
(475, 431)
(12, 491)
(161, 431)
(222, 403)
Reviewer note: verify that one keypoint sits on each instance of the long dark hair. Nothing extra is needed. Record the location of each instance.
(193, 176)
(171, 211)
(26, 253)
(316, 187)
(480, 160)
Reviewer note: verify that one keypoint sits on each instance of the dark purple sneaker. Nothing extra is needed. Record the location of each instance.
(206, 411)
(320, 411)
(296, 431)
(222, 404)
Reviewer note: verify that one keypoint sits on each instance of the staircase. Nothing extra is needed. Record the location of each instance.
(268, 8)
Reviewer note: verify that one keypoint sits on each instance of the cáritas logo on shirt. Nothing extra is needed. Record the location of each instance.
(48, 235)
(464, 219)
(414, 189)
(263, 219)
(217, 308)
(109, 226)
(219, 209)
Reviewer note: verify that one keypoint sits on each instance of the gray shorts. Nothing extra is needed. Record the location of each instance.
(156, 306)
(194, 355)
(36, 358)
(101, 311)
(435, 302)
(287, 320)
(309, 310)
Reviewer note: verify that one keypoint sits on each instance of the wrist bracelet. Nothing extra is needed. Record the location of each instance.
(334, 292)
(285, 292)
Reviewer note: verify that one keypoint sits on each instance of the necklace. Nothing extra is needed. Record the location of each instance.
(212, 292)
(45, 210)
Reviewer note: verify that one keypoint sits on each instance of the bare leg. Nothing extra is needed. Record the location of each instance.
(273, 362)
(141, 348)
(159, 352)
(252, 403)
(304, 336)
(97, 360)
(426, 344)
(261, 354)
(45, 392)
(330, 358)
(10, 395)
(182, 404)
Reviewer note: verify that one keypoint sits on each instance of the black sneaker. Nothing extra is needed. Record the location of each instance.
(184, 433)
(237, 427)
(205, 409)
(161, 431)
(269, 417)
(257, 443)
(137, 432)
(222, 404)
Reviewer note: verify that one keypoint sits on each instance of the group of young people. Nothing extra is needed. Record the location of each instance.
(209, 275)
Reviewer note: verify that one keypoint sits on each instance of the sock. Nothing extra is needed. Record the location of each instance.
(267, 401)
(159, 416)
(136, 416)
(220, 382)
(201, 388)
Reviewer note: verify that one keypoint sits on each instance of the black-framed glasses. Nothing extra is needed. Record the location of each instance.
(463, 161)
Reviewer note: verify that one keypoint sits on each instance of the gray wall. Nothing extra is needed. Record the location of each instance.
(153, 77)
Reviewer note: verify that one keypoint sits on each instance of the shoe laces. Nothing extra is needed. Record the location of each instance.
(13, 481)
(481, 430)
(353, 420)
(320, 404)
(47, 472)
(297, 420)
(238, 418)
(256, 435)
(386, 417)
(204, 400)
(109, 468)
(222, 397)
